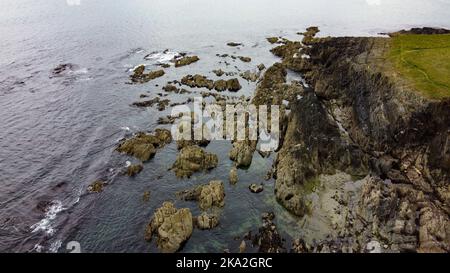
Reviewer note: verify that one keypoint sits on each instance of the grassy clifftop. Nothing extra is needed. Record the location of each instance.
(424, 60)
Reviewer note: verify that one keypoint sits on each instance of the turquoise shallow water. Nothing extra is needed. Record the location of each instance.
(57, 134)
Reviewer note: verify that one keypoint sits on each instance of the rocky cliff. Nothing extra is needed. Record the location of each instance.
(360, 117)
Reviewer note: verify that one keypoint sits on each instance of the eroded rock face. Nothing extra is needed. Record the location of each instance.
(144, 146)
(139, 76)
(208, 195)
(193, 159)
(364, 118)
(172, 226)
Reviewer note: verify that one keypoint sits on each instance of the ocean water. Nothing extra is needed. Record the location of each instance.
(58, 133)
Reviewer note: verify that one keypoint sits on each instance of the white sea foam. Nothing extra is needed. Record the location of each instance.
(162, 57)
(45, 224)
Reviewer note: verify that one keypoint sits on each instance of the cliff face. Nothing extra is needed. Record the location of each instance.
(361, 117)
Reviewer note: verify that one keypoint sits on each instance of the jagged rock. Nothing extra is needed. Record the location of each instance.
(133, 170)
(242, 153)
(242, 246)
(139, 76)
(255, 188)
(198, 81)
(220, 85)
(218, 72)
(268, 238)
(250, 76)
(272, 40)
(143, 146)
(96, 187)
(207, 221)
(233, 85)
(186, 60)
(208, 195)
(172, 226)
(233, 176)
(261, 67)
(193, 159)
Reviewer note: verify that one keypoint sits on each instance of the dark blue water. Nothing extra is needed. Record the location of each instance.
(57, 134)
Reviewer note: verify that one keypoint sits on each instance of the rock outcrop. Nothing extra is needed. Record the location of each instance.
(208, 195)
(144, 146)
(193, 159)
(172, 226)
(359, 117)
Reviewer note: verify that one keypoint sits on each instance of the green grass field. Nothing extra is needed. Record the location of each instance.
(424, 60)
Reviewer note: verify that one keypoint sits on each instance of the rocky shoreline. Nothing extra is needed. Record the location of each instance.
(361, 118)
(359, 146)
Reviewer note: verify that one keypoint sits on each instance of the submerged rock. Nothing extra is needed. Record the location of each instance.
(272, 40)
(233, 176)
(255, 188)
(96, 187)
(208, 195)
(186, 60)
(162, 104)
(193, 159)
(143, 146)
(234, 44)
(139, 76)
(172, 226)
(146, 196)
(133, 170)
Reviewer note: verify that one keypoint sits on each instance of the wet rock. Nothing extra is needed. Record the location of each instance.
(186, 60)
(272, 40)
(208, 195)
(268, 238)
(255, 188)
(250, 76)
(233, 44)
(172, 226)
(143, 146)
(62, 69)
(299, 246)
(134, 170)
(242, 153)
(218, 72)
(193, 159)
(96, 187)
(242, 247)
(261, 67)
(207, 221)
(146, 196)
(309, 35)
(233, 85)
(139, 76)
(161, 104)
(245, 59)
(233, 176)
(220, 85)
(198, 81)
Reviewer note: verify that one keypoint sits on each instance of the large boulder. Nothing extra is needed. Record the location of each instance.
(172, 226)
(208, 195)
(193, 159)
